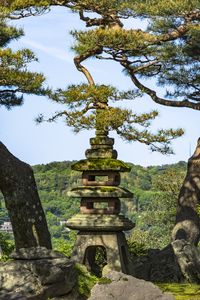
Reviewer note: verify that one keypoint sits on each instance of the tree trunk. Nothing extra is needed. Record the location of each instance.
(18, 186)
(187, 225)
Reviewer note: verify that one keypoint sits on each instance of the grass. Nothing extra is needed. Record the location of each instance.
(182, 291)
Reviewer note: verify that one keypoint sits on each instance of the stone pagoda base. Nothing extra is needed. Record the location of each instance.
(114, 244)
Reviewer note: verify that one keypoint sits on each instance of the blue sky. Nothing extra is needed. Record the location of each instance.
(48, 36)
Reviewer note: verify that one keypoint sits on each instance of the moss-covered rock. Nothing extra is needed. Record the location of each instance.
(86, 281)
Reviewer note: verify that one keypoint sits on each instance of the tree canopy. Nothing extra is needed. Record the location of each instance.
(165, 50)
(15, 79)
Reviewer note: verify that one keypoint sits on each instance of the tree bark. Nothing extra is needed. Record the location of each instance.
(17, 183)
(187, 225)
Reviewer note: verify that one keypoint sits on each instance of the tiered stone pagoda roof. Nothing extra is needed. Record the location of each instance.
(101, 161)
(100, 222)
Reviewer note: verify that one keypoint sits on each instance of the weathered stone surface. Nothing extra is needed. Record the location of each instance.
(187, 224)
(102, 140)
(178, 262)
(98, 222)
(188, 257)
(13, 296)
(36, 279)
(17, 183)
(158, 266)
(74, 295)
(104, 164)
(101, 153)
(99, 191)
(36, 253)
(117, 255)
(125, 287)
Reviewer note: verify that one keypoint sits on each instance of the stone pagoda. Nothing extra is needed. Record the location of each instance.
(99, 222)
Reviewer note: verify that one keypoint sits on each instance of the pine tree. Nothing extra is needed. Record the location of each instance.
(167, 50)
(15, 80)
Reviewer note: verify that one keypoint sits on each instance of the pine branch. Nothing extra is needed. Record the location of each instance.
(80, 58)
(153, 95)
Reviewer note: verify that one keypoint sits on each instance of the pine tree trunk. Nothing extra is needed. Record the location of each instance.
(187, 225)
(17, 183)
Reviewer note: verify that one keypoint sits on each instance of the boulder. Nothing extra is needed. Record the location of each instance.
(126, 287)
(188, 257)
(35, 253)
(178, 262)
(158, 266)
(36, 277)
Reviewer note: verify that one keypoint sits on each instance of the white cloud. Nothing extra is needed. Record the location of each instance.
(50, 50)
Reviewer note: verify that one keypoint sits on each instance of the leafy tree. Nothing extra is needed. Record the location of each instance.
(166, 50)
(157, 215)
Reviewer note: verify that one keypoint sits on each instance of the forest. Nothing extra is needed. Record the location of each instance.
(153, 206)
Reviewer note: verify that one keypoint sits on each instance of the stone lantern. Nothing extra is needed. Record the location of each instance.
(99, 222)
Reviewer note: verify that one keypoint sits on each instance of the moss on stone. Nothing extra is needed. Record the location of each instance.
(86, 281)
(99, 191)
(102, 140)
(183, 291)
(96, 164)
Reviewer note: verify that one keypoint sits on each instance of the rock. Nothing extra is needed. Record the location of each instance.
(158, 266)
(12, 296)
(74, 295)
(126, 287)
(187, 223)
(36, 253)
(188, 257)
(36, 279)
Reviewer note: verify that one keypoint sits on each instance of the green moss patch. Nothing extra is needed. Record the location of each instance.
(97, 164)
(182, 291)
(86, 281)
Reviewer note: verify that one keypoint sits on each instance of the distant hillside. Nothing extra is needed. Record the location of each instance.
(56, 178)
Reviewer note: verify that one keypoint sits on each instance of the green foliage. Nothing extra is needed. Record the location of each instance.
(86, 281)
(198, 209)
(136, 248)
(7, 245)
(125, 40)
(65, 246)
(182, 291)
(163, 8)
(15, 80)
(155, 191)
(157, 208)
(166, 50)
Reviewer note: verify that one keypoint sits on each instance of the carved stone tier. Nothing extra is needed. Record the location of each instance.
(111, 178)
(100, 206)
(99, 222)
(101, 164)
